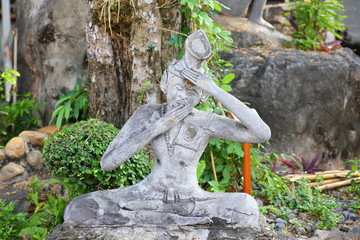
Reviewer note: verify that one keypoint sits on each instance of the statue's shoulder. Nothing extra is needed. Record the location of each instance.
(200, 118)
(148, 111)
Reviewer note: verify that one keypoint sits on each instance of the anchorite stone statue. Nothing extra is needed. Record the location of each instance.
(178, 133)
(255, 10)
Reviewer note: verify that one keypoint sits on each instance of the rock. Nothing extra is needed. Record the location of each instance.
(247, 34)
(49, 130)
(291, 216)
(270, 220)
(10, 171)
(15, 148)
(280, 224)
(321, 234)
(303, 91)
(345, 228)
(280, 220)
(352, 216)
(21, 205)
(2, 155)
(55, 46)
(259, 202)
(353, 234)
(308, 228)
(300, 230)
(345, 214)
(284, 236)
(35, 138)
(34, 158)
(112, 232)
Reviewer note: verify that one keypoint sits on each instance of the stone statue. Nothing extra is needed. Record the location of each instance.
(178, 134)
(255, 10)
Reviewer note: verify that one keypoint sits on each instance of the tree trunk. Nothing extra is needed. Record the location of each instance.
(52, 48)
(127, 54)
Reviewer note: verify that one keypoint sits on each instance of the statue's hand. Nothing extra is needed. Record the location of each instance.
(199, 79)
(173, 117)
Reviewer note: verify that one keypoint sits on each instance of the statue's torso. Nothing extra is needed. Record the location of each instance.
(178, 152)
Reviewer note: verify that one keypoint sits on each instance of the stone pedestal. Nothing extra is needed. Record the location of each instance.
(149, 232)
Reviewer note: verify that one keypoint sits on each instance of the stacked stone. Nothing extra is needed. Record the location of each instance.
(22, 155)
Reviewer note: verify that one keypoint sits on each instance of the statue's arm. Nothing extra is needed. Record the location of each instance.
(249, 127)
(144, 125)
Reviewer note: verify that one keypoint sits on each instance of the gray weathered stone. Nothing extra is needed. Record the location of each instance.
(310, 100)
(170, 196)
(10, 171)
(247, 34)
(34, 158)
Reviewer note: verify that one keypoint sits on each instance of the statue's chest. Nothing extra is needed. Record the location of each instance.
(186, 134)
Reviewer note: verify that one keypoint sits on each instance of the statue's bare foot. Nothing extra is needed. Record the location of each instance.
(262, 22)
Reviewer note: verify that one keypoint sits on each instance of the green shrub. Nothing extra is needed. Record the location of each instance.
(311, 19)
(74, 154)
(8, 220)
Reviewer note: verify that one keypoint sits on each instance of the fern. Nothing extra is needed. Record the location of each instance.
(34, 232)
(46, 215)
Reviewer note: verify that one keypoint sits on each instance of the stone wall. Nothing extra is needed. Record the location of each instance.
(22, 155)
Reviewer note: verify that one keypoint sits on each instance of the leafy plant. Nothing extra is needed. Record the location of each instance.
(354, 184)
(17, 116)
(47, 214)
(8, 75)
(74, 154)
(72, 106)
(226, 157)
(311, 19)
(9, 220)
(289, 198)
(300, 165)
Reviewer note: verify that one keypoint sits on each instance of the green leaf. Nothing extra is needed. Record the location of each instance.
(61, 100)
(60, 117)
(200, 168)
(67, 110)
(228, 78)
(76, 109)
(226, 88)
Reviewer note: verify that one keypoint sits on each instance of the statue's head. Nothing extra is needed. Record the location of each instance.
(182, 91)
(198, 46)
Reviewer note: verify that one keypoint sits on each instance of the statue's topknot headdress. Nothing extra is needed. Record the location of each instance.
(198, 45)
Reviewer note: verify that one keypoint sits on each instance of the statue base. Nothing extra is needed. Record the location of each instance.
(148, 232)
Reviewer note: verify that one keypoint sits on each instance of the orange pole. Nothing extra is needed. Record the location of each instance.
(246, 164)
(246, 169)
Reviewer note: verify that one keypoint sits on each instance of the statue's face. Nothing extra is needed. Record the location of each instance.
(183, 92)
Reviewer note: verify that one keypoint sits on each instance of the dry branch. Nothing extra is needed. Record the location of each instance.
(314, 184)
(338, 184)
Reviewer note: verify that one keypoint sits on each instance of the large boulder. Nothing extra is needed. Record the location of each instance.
(52, 47)
(310, 100)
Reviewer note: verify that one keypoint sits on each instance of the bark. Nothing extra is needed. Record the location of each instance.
(126, 54)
